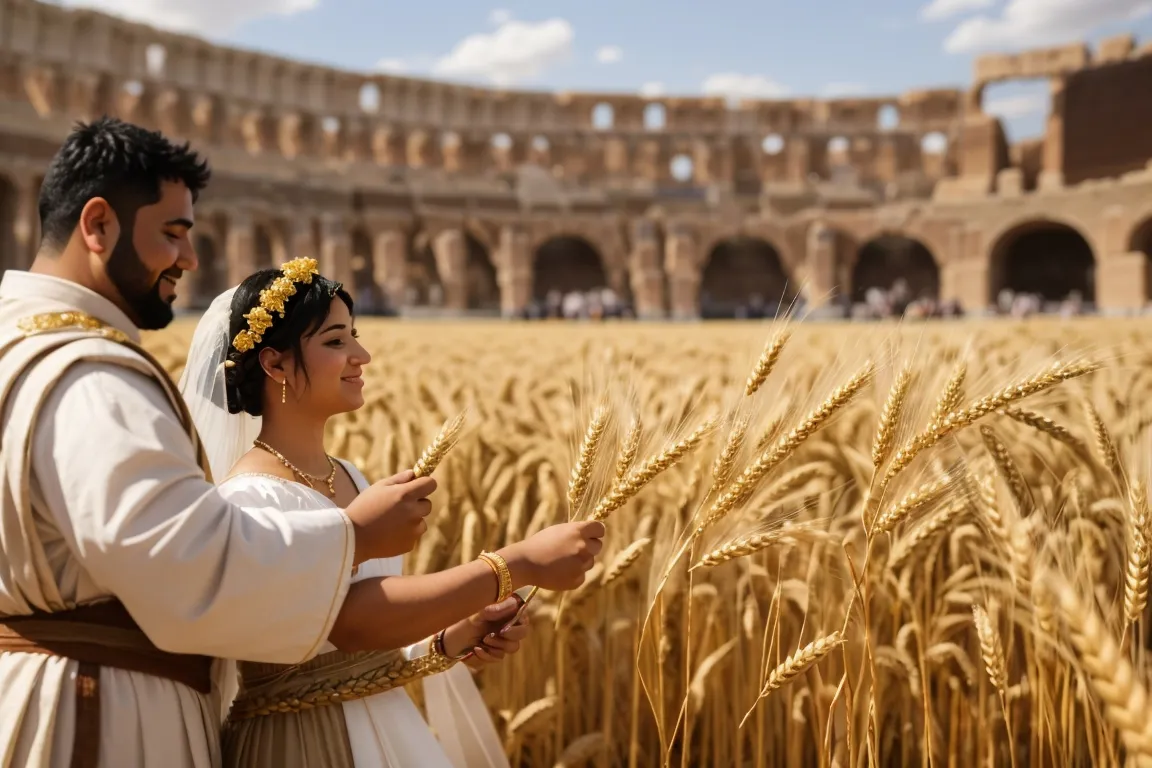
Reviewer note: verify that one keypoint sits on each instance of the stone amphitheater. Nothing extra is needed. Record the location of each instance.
(429, 196)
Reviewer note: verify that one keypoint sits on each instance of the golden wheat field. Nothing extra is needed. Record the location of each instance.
(828, 545)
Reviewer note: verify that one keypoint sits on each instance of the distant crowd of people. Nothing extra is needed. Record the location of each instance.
(898, 300)
(595, 304)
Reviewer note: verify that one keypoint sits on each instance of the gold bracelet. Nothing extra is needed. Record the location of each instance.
(503, 575)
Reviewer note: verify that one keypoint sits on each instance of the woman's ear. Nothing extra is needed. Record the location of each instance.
(273, 363)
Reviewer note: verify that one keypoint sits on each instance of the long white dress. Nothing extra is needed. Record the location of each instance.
(388, 729)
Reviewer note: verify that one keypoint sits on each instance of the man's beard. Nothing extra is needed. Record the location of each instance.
(132, 280)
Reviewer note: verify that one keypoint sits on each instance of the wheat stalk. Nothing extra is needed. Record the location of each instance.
(624, 490)
(586, 458)
(746, 482)
(439, 448)
(890, 417)
(795, 665)
(766, 362)
(1109, 672)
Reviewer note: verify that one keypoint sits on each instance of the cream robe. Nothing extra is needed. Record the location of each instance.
(121, 508)
(385, 730)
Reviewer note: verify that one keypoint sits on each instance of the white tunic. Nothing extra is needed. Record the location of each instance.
(387, 729)
(121, 508)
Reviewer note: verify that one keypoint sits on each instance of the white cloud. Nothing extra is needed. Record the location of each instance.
(1013, 107)
(609, 54)
(735, 86)
(515, 52)
(946, 9)
(652, 90)
(211, 18)
(500, 17)
(840, 90)
(1029, 23)
(393, 66)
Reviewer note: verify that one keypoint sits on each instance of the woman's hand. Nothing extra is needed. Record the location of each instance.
(483, 633)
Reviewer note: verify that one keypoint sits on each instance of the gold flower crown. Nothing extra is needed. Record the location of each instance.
(272, 300)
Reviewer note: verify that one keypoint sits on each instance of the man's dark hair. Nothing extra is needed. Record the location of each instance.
(304, 312)
(118, 161)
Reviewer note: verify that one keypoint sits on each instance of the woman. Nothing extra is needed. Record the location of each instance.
(281, 353)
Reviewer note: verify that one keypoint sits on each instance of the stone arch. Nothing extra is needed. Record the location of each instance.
(10, 258)
(1045, 257)
(369, 297)
(567, 263)
(744, 276)
(1141, 242)
(424, 286)
(264, 242)
(211, 278)
(483, 287)
(888, 258)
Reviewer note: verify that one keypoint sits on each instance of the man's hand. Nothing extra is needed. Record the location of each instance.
(483, 633)
(389, 516)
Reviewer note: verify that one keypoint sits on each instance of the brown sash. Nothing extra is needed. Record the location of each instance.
(99, 635)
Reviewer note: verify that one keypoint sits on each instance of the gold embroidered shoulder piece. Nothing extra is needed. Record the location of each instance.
(69, 321)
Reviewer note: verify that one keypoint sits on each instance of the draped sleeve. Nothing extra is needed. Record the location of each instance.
(199, 573)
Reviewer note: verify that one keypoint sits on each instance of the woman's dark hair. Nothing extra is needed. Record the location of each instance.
(304, 311)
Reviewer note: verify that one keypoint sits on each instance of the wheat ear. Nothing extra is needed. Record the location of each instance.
(890, 417)
(795, 665)
(747, 545)
(625, 560)
(744, 485)
(1110, 674)
(1008, 470)
(767, 362)
(625, 489)
(1136, 574)
(952, 395)
(916, 500)
(722, 467)
(582, 471)
(439, 448)
(629, 447)
(1105, 445)
(991, 650)
(1042, 423)
(957, 420)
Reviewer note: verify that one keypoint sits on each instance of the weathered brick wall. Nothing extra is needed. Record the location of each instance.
(1108, 120)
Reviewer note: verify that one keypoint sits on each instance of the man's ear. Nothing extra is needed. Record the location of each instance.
(273, 363)
(99, 227)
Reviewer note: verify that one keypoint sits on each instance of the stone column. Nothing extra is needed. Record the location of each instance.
(822, 260)
(25, 223)
(682, 262)
(450, 248)
(240, 247)
(301, 238)
(647, 276)
(1122, 282)
(336, 252)
(1052, 175)
(390, 265)
(514, 270)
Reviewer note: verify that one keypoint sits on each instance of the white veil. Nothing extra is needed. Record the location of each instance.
(226, 436)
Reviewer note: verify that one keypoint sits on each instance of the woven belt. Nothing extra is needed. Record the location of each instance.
(385, 671)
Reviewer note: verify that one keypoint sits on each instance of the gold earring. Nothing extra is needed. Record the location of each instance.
(284, 391)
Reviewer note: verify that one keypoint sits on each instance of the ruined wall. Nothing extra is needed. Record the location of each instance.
(1107, 115)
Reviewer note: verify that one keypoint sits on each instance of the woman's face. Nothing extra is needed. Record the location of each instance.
(334, 360)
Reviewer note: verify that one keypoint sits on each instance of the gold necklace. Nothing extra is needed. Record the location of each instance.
(310, 479)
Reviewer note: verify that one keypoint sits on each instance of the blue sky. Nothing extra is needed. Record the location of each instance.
(728, 47)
